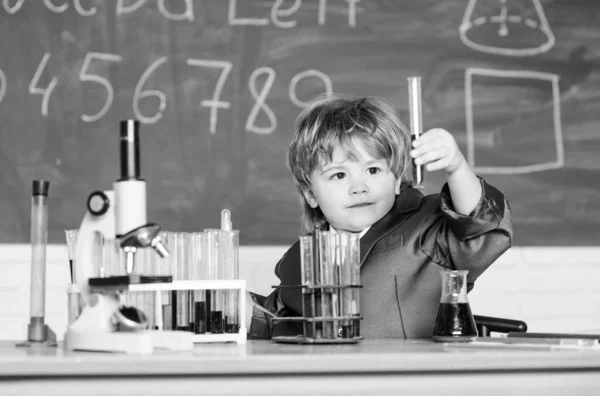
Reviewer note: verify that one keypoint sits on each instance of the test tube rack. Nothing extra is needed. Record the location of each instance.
(330, 279)
(238, 337)
(321, 329)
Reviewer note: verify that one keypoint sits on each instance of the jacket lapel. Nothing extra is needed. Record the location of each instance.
(406, 202)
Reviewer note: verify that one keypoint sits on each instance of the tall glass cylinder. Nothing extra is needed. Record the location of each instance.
(39, 241)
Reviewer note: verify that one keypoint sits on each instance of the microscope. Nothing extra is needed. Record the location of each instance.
(104, 324)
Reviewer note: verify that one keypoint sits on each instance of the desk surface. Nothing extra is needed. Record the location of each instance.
(266, 357)
(262, 362)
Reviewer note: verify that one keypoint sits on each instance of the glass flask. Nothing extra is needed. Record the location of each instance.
(454, 322)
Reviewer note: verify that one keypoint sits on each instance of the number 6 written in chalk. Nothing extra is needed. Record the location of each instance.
(138, 94)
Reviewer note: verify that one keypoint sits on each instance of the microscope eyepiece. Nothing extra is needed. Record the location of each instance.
(129, 143)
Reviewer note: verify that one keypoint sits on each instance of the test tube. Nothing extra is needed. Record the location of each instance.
(354, 268)
(202, 299)
(416, 124)
(214, 303)
(197, 272)
(326, 248)
(36, 330)
(71, 238)
(74, 300)
(168, 267)
(350, 271)
(145, 300)
(230, 267)
(307, 273)
(194, 257)
(182, 312)
(318, 292)
(336, 292)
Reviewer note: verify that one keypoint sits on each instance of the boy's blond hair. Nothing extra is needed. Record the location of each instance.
(339, 119)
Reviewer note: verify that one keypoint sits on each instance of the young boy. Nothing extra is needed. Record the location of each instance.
(351, 162)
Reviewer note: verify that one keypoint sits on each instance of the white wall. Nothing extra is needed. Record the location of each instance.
(552, 289)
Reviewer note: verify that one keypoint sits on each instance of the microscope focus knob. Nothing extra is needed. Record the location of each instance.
(98, 203)
(146, 236)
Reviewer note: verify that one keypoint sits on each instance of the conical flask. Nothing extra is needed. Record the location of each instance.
(454, 322)
(506, 27)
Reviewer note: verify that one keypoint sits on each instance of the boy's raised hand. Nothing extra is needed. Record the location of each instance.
(437, 149)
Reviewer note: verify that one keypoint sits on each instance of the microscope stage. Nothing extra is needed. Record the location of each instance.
(125, 280)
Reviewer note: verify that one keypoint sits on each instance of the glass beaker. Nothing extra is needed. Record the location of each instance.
(454, 322)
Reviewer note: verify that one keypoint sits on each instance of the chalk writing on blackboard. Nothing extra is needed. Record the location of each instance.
(214, 104)
(45, 92)
(278, 10)
(506, 18)
(524, 75)
(486, 27)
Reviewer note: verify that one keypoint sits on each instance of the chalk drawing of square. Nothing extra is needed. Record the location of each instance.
(558, 162)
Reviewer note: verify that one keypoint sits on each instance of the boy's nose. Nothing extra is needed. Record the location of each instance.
(359, 188)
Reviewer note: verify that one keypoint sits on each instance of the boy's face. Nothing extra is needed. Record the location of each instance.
(353, 194)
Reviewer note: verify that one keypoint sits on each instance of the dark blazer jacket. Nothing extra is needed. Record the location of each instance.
(401, 258)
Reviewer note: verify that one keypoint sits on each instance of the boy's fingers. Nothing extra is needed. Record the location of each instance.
(437, 165)
(429, 156)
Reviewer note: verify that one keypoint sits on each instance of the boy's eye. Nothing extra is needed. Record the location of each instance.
(373, 170)
(338, 176)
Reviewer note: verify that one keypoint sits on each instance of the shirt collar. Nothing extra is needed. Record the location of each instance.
(363, 232)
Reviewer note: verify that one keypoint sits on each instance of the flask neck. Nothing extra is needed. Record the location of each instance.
(454, 287)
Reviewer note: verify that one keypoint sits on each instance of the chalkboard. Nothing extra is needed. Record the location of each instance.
(217, 85)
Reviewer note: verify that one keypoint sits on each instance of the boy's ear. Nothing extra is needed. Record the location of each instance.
(310, 198)
(397, 186)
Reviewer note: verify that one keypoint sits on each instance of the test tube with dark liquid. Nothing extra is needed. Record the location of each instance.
(307, 273)
(230, 270)
(193, 259)
(71, 238)
(197, 297)
(416, 124)
(214, 299)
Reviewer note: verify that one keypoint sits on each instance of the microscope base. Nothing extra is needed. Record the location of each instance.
(135, 342)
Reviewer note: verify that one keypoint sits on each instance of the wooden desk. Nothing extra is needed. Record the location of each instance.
(372, 367)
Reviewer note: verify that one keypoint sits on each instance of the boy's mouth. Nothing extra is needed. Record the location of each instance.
(360, 205)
